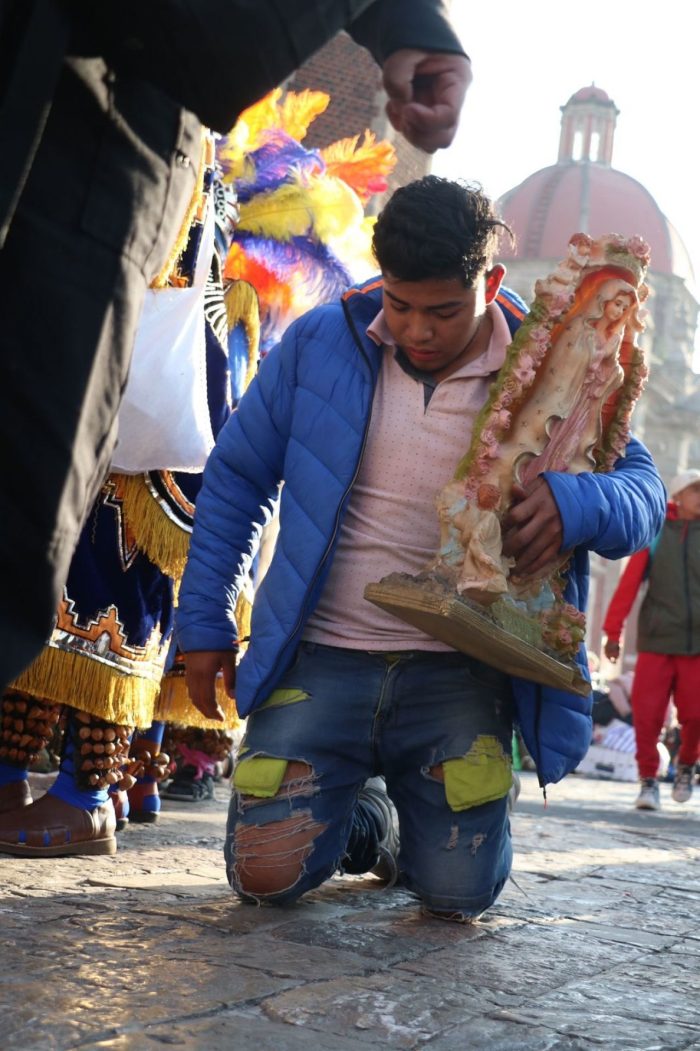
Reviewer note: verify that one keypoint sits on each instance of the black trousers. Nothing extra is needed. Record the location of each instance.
(105, 199)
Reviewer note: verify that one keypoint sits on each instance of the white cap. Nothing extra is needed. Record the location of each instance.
(683, 479)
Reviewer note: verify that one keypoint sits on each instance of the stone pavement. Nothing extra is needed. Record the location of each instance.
(596, 945)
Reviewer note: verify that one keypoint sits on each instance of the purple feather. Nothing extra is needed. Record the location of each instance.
(305, 265)
(301, 261)
(278, 161)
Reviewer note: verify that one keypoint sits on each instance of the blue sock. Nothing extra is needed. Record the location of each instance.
(146, 739)
(153, 735)
(65, 786)
(10, 773)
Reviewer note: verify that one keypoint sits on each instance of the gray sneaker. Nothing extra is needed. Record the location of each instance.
(683, 783)
(648, 798)
(374, 794)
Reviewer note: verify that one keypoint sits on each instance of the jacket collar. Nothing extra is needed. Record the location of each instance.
(361, 304)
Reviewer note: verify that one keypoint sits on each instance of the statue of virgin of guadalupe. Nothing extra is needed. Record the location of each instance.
(561, 402)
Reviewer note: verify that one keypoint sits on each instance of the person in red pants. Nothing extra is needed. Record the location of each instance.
(668, 639)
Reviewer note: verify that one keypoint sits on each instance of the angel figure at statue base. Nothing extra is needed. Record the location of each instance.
(471, 548)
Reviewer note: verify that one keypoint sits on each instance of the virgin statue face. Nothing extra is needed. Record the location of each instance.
(614, 308)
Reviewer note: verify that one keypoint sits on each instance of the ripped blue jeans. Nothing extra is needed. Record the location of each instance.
(437, 726)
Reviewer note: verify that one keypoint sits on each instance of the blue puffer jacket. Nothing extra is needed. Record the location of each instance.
(304, 419)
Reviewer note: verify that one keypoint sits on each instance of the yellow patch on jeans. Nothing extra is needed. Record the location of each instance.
(481, 776)
(259, 776)
(279, 697)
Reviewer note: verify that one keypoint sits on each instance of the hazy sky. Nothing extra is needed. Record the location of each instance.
(529, 58)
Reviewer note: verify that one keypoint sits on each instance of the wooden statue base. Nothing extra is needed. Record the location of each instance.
(443, 615)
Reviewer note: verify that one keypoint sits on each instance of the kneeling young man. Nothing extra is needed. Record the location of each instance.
(363, 411)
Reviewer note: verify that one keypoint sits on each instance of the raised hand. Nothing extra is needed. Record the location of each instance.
(426, 90)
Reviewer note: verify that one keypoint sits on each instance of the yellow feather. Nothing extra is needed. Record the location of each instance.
(362, 166)
(299, 109)
(243, 305)
(292, 115)
(324, 207)
(260, 117)
(382, 153)
(354, 249)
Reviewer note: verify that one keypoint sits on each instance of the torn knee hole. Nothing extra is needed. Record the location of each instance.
(270, 858)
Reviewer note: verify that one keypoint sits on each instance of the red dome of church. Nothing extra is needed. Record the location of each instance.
(591, 92)
(582, 192)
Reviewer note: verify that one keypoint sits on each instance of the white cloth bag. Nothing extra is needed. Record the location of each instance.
(163, 421)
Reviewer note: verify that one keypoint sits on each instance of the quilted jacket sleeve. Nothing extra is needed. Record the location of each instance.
(241, 482)
(615, 513)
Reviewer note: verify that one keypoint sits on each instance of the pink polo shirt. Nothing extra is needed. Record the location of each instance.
(391, 524)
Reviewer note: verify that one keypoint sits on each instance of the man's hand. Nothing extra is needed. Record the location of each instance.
(532, 529)
(201, 669)
(612, 650)
(426, 90)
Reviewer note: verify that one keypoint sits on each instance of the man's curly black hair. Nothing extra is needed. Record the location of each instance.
(437, 228)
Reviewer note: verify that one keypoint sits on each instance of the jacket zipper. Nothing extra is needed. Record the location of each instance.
(302, 616)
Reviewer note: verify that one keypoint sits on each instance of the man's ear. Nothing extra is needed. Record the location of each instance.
(494, 278)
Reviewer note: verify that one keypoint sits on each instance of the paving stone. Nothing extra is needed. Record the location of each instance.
(400, 1013)
(509, 1034)
(590, 1026)
(87, 998)
(226, 1030)
(596, 945)
(651, 1004)
(505, 971)
(385, 947)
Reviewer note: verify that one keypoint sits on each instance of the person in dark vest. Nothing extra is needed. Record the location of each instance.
(101, 114)
(668, 639)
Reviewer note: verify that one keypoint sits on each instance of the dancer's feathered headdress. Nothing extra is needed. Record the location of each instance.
(302, 237)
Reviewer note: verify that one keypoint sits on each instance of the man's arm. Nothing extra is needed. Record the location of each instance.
(215, 57)
(391, 25)
(622, 601)
(425, 71)
(240, 485)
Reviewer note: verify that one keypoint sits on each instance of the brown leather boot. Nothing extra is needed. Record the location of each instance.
(14, 795)
(50, 828)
